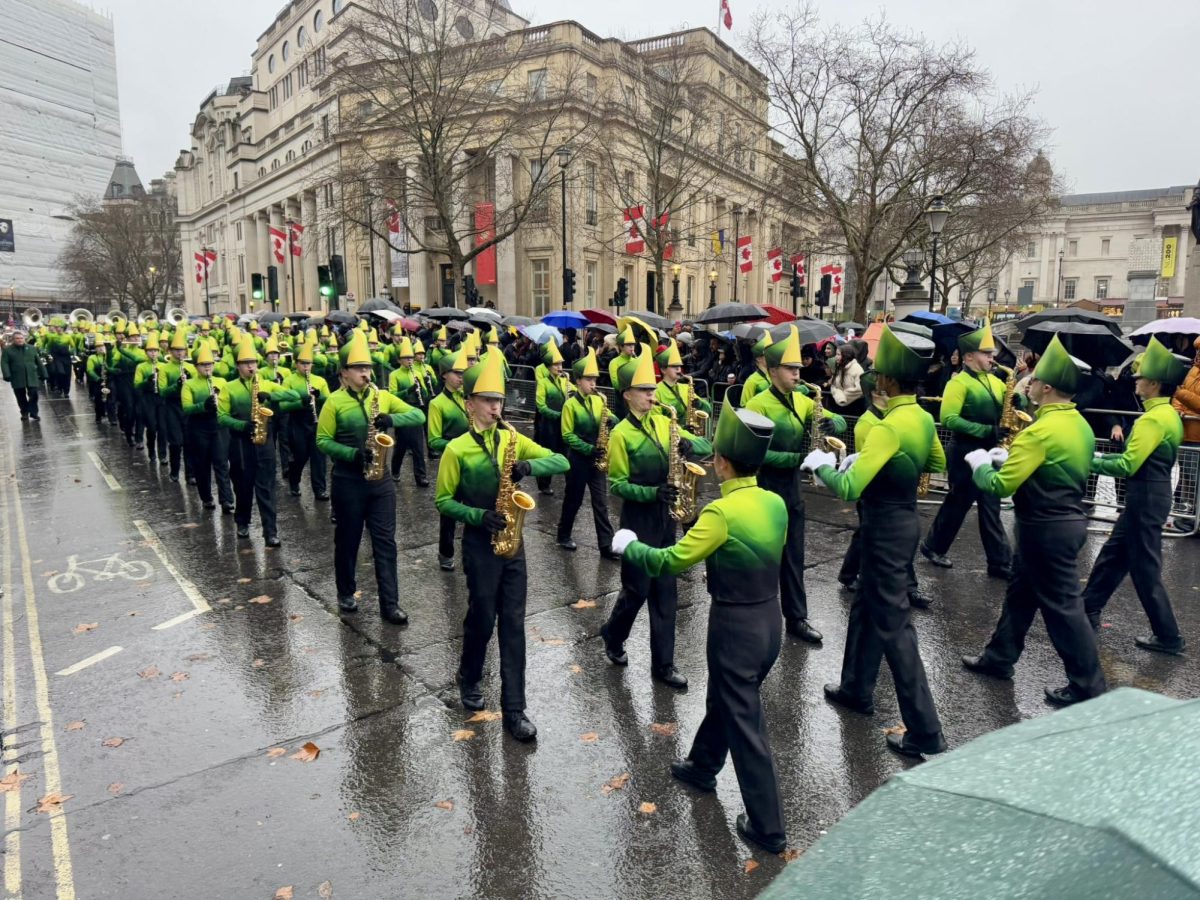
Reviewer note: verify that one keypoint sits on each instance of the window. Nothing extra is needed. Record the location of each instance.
(286, 51)
(1102, 288)
(327, 194)
(287, 85)
(235, 184)
(318, 22)
(1031, 250)
(627, 179)
(592, 214)
(721, 83)
(302, 74)
(1069, 289)
(337, 6)
(495, 87)
(691, 291)
(540, 282)
(590, 87)
(241, 263)
(539, 212)
(537, 84)
(318, 58)
(271, 63)
(291, 155)
(237, 229)
(1072, 248)
(325, 127)
(261, 171)
(590, 279)
(274, 164)
(301, 38)
(1105, 245)
(364, 279)
(305, 147)
(1029, 283)
(273, 96)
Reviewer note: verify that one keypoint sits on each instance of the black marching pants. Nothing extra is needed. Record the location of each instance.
(252, 470)
(495, 602)
(121, 384)
(792, 596)
(743, 644)
(410, 439)
(149, 409)
(170, 431)
(1135, 549)
(27, 400)
(953, 511)
(302, 435)
(208, 456)
(584, 476)
(852, 561)
(1046, 578)
(880, 625)
(654, 526)
(360, 504)
(103, 404)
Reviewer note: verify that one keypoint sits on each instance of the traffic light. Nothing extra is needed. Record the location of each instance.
(273, 284)
(797, 290)
(469, 290)
(568, 285)
(256, 286)
(338, 270)
(325, 280)
(822, 298)
(622, 296)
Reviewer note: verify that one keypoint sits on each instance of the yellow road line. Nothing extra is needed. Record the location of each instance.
(109, 478)
(60, 845)
(90, 661)
(12, 800)
(199, 604)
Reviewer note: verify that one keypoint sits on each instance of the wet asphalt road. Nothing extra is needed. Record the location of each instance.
(194, 803)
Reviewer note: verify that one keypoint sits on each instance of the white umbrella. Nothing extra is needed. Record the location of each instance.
(1161, 327)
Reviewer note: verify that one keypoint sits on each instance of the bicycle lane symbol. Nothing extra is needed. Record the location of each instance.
(102, 569)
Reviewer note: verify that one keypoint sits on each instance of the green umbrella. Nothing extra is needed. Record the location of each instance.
(1098, 800)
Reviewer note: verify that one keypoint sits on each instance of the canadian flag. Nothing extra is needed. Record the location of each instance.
(745, 254)
(726, 15)
(278, 242)
(634, 243)
(393, 222)
(775, 263)
(799, 268)
(204, 260)
(295, 230)
(836, 279)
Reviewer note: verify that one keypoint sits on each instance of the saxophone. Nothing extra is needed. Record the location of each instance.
(510, 502)
(380, 445)
(260, 417)
(817, 439)
(1010, 417)
(601, 453)
(682, 473)
(697, 419)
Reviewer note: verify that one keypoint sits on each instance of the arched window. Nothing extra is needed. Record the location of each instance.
(271, 63)
(291, 154)
(305, 147)
(318, 21)
(274, 164)
(261, 171)
(337, 6)
(301, 37)
(286, 51)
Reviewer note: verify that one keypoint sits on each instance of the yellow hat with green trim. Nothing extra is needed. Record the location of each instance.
(306, 352)
(325, 330)
(179, 340)
(204, 354)
(418, 347)
(486, 378)
(272, 345)
(980, 339)
(152, 341)
(551, 353)
(274, 328)
(120, 327)
(246, 352)
(287, 323)
(627, 337)
(670, 356)
(638, 372)
(785, 352)
(453, 362)
(1157, 363)
(406, 349)
(895, 359)
(441, 334)
(760, 348)
(364, 325)
(131, 330)
(586, 367)
(372, 336)
(356, 352)
(470, 344)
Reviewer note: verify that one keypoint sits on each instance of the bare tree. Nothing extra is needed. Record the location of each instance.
(125, 253)
(429, 107)
(880, 122)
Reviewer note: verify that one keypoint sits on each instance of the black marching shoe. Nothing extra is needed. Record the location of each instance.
(746, 830)
(1155, 644)
(321, 497)
(208, 504)
(671, 677)
(294, 491)
(981, 666)
(422, 481)
(546, 492)
(446, 563)
(851, 585)
(518, 725)
(1003, 572)
(393, 614)
(568, 544)
(906, 746)
(1063, 696)
(801, 629)
(243, 533)
(226, 509)
(1094, 621)
(347, 604)
(164, 461)
(396, 478)
(685, 770)
(936, 558)
(174, 478)
(191, 479)
(608, 553)
(615, 652)
(918, 599)
(471, 695)
(835, 694)
(272, 541)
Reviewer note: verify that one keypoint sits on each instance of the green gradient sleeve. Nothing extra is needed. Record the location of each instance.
(574, 441)
(192, 402)
(937, 456)
(839, 423)
(783, 459)
(881, 446)
(449, 474)
(953, 397)
(434, 427)
(1026, 455)
(540, 400)
(1146, 437)
(542, 462)
(702, 540)
(326, 431)
(225, 418)
(700, 446)
(93, 368)
(402, 414)
(618, 474)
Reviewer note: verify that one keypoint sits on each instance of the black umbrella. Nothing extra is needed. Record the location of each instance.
(1071, 314)
(268, 317)
(748, 332)
(341, 317)
(846, 326)
(654, 320)
(378, 303)
(811, 331)
(517, 321)
(602, 327)
(443, 313)
(1095, 344)
(731, 312)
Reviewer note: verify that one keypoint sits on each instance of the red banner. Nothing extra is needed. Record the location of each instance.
(485, 230)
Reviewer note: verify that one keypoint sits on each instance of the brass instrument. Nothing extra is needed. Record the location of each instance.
(511, 503)
(104, 390)
(177, 316)
(682, 473)
(817, 438)
(32, 318)
(147, 317)
(260, 416)
(1010, 417)
(154, 375)
(601, 453)
(380, 445)
(923, 484)
(79, 315)
(697, 419)
(115, 317)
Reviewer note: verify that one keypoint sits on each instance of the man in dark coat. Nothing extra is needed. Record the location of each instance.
(23, 369)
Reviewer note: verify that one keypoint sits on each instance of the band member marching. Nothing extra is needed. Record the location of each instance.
(129, 357)
(99, 369)
(147, 387)
(447, 419)
(273, 370)
(552, 389)
(313, 392)
(884, 474)
(352, 422)
(173, 372)
(405, 382)
(627, 347)
(585, 425)
(1135, 546)
(476, 485)
(674, 392)
(760, 379)
(639, 458)
(206, 442)
(740, 537)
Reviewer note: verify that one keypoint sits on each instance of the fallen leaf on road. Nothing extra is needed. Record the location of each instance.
(750, 866)
(113, 742)
(50, 574)
(895, 729)
(315, 694)
(307, 753)
(258, 663)
(261, 599)
(151, 672)
(247, 551)
(576, 670)
(295, 617)
(244, 580)
(197, 657)
(354, 816)
(581, 603)
(225, 600)
(115, 788)
(180, 676)
(589, 737)
(790, 854)
(134, 613)
(52, 802)
(647, 808)
(177, 695)
(615, 783)
(447, 805)
(358, 595)
(462, 734)
(191, 525)
(12, 782)
(74, 726)
(276, 751)
(666, 729)
(553, 642)
(84, 627)
(284, 893)
(485, 715)
(325, 890)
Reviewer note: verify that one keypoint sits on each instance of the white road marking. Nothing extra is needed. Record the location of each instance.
(90, 661)
(12, 799)
(108, 476)
(199, 604)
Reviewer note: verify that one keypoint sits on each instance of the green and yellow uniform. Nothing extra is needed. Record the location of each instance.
(579, 430)
(206, 442)
(312, 392)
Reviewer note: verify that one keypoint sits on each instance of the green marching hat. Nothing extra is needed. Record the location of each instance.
(586, 367)
(551, 355)
(1057, 368)
(743, 436)
(868, 382)
(486, 378)
(760, 348)
(895, 360)
(355, 353)
(1157, 363)
(638, 372)
(670, 356)
(785, 352)
(453, 362)
(981, 339)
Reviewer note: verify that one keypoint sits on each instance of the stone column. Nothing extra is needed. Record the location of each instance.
(507, 251)
(312, 251)
(250, 244)
(265, 259)
(1189, 252)
(275, 220)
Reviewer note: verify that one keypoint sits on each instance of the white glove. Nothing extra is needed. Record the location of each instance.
(622, 539)
(847, 462)
(999, 456)
(977, 459)
(818, 458)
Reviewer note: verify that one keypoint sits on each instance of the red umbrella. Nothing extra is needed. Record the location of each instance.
(599, 317)
(410, 324)
(776, 315)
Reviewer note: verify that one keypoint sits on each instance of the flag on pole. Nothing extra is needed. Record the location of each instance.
(718, 242)
(775, 263)
(837, 280)
(204, 261)
(296, 230)
(744, 254)
(799, 268)
(634, 243)
(726, 15)
(278, 242)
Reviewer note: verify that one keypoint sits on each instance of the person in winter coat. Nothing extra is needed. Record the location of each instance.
(24, 370)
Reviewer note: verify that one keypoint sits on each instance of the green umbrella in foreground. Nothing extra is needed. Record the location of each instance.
(1100, 800)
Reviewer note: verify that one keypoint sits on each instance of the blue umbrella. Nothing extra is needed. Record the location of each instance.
(566, 318)
(928, 319)
(542, 333)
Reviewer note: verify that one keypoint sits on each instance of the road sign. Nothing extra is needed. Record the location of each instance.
(7, 239)
(350, 296)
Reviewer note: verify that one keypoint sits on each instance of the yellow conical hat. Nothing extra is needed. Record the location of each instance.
(406, 348)
(418, 347)
(246, 352)
(120, 328)
(306, 352)
(274, 328)
(670, 356)
(179, 340)
(152, 341)
(310, 336)
(287, 323)
(587, 367)
(470, 344)
(551, 354)
(364, 325)
(131, 330)
(785, 352)
(441, 334)
(486, 377)
(204, 354)
(333, 341)
(324, 331)
(356, 352)
(373, 336)
(272, 344)
(493, 337)
(638, 372)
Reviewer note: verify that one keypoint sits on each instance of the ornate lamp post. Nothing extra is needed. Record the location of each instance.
(937, 213)
(675, 307)
(712, 288)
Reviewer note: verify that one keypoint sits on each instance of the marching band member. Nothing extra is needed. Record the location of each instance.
(207, 443)
(129, 357)
(406, 384)
(172, 373)
(760, 379)
(99, 368)
(313, 392)
(627, 347)
(671, 392)
(580, 424)
(447, 419)
(147, 386)
(551, 391)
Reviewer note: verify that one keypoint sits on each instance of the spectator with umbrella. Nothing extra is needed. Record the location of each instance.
(1187, 403)
(812, 371)
(845, 386)
(553, 388)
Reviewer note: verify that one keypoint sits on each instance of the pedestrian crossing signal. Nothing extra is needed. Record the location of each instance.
(256, 286)
(622, 296)
(325, 280)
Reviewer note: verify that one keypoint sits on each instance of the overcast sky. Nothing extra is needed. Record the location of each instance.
(1115, 80)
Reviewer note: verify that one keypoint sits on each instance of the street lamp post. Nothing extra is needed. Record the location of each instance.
(1058, 286)
(737, 221)
(712, 288)
(564, 156)
(937, 213)
(292, 262)
(676, 307)
(991, 295)
(205, 250)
